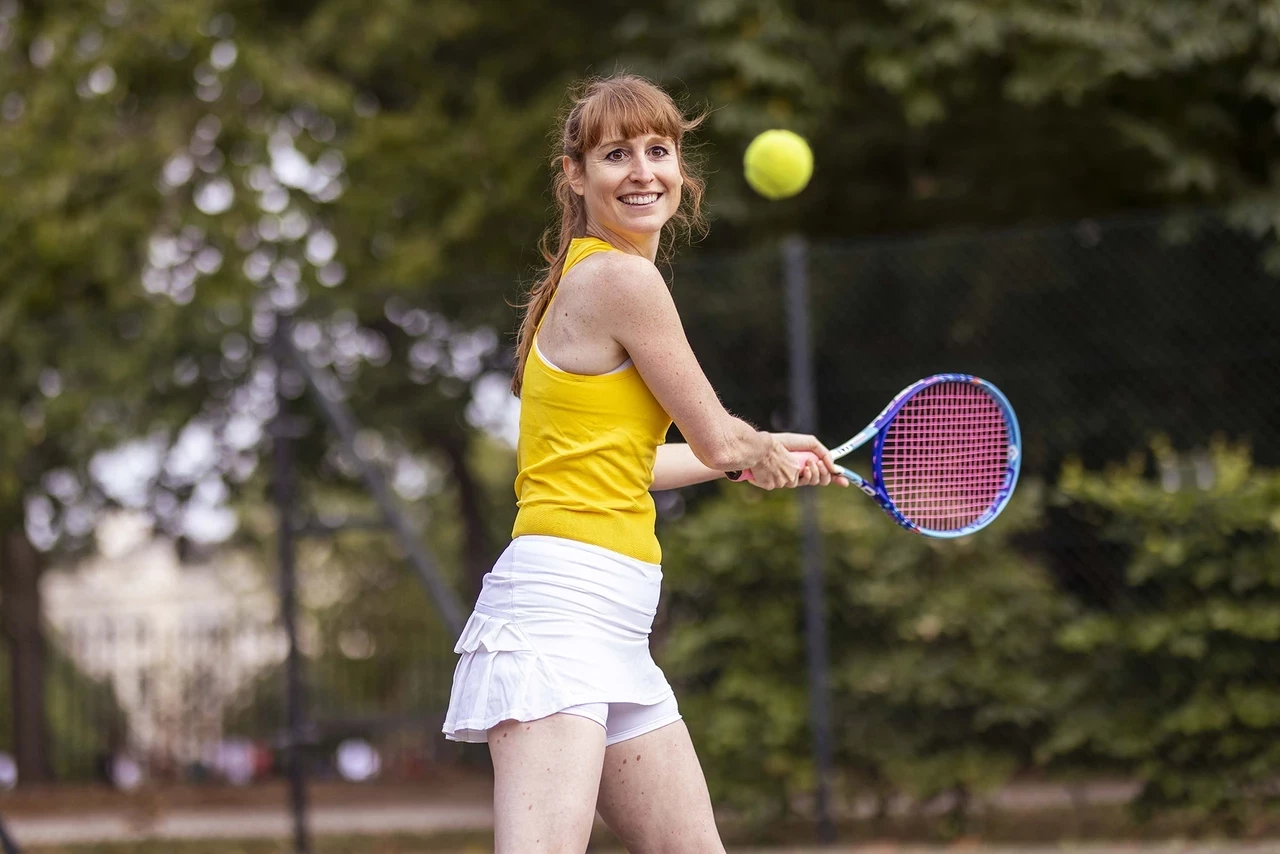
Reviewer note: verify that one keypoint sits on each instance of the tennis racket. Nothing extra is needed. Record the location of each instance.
(945, 456)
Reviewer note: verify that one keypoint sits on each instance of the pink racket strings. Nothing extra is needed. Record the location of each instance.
(946, 456)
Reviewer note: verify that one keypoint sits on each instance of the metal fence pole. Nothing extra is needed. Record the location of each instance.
(284, 494)
(804, 418)
(7, 845)
(420, 558)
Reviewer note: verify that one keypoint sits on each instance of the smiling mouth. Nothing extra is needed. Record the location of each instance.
(639, 200)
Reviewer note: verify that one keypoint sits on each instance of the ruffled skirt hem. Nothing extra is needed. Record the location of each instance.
(498, 677)
(579, 636)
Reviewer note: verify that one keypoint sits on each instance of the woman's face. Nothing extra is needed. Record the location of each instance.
(630, 186)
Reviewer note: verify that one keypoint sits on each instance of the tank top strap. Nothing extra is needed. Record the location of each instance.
(579, 249)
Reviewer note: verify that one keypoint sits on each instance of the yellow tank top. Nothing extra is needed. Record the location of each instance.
(586, 450)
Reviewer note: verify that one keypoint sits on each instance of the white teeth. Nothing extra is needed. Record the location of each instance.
(645, 199)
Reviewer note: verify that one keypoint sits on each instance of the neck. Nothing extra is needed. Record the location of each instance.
(643, 245)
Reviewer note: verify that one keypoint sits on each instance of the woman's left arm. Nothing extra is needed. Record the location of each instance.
(676, 466)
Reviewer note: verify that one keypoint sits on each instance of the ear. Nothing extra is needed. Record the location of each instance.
(574, 172)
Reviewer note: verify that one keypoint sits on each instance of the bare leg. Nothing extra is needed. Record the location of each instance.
(654, 797)
(546, 776)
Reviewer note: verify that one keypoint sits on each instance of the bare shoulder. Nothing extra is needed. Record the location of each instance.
(618, 279)
(613, 292)
(617, 268)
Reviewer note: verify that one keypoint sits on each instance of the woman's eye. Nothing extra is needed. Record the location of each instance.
(659, 151)
(617, 151)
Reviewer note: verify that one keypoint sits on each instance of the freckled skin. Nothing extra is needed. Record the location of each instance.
(615, 305)
(549, 774)
(658, 806)
(552, 775)
(576, 336)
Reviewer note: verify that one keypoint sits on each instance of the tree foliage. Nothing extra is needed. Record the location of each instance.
(958, 666)
(145, 145)
(942, 677)
(1180, 680)
(175, 174)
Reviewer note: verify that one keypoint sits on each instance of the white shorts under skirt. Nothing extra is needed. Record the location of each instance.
(561, 625)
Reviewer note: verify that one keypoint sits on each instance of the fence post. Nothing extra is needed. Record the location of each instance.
(7, 845)
(339, 418)
(285, 495)
(804, 419)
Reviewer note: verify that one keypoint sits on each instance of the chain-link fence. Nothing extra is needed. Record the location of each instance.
(140, 699)
(1101, 333)
(1120, 621)
(1111, 625)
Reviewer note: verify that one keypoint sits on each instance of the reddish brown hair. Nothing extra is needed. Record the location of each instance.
(629, 106)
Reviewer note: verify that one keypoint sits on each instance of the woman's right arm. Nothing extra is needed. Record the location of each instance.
(630, 301)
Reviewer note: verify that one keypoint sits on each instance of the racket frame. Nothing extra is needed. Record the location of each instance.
(877, 430)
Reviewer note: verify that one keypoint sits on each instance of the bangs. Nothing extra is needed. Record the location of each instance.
(622, 109)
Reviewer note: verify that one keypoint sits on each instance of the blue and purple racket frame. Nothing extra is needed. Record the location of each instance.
(977, 420)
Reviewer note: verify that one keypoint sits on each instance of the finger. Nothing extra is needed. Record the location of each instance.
(815, 447)
(803, 469)
(826, 464)
(805, 443)
(812, 445)
(828, 461)
(801, 442)
(799, 462)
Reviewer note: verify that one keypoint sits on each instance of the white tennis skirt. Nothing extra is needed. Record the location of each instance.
(558, 624)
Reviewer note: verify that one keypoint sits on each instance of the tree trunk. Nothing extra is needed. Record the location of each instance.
(20, 612)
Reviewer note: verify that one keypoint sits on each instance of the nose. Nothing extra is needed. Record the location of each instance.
(641, 171)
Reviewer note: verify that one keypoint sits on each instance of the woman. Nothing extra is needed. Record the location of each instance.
(555, 672)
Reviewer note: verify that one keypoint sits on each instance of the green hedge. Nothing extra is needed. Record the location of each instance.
(958, 665)
(1181, 674)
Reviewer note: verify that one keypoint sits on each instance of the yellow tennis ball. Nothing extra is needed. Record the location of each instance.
(778, 164)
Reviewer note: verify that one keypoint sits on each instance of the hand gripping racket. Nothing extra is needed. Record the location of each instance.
(945, 458)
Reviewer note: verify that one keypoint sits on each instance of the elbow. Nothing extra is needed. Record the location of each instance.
(721, 455)
(717, 462)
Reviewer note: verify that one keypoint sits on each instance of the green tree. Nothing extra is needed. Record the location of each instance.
(925, 114)
(71, 234)
(116, 256)
(175, 173)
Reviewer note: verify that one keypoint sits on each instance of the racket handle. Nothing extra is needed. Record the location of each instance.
(801, 457)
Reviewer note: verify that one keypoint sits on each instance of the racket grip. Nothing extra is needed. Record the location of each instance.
(801, 457)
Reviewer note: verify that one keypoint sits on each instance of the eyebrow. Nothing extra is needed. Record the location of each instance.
(651, 136)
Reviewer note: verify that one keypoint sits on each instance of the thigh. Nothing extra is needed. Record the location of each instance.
(654, 797)
(546, 775)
